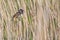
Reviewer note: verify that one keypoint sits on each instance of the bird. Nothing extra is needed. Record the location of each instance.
(20, 11)
(17, 14)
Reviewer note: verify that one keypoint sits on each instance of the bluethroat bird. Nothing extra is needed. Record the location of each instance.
(19, 12)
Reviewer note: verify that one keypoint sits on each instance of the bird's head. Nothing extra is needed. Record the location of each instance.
(21, 11)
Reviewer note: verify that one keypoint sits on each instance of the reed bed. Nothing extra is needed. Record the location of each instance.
(40, 20)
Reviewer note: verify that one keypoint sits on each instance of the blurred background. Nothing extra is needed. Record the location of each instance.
(40, 20)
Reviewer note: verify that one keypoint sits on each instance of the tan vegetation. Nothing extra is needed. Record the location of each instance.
(40, 20)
